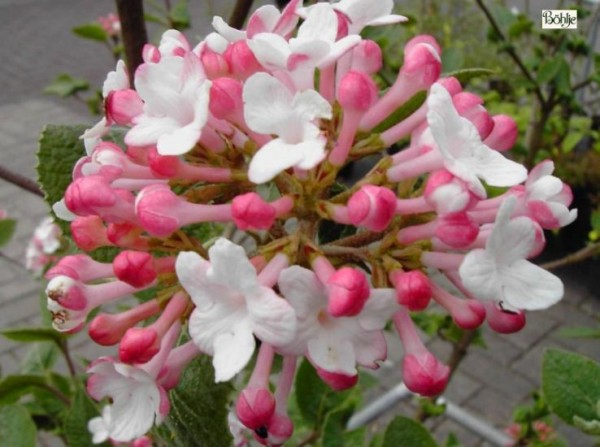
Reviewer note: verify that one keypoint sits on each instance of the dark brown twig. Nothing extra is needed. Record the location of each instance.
(21, 181)
(572, 258)
(133, 31)
(240, 13)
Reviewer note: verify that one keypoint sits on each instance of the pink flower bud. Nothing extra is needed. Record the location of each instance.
(107, 330)
(89, 233)
(139, 345)
(343, 23)
(164, 166)
(278, 431)
(150, 53)
(469, 106)
(255, 407)
(155, 207)
(122, 106)
(422, 62)
(144, 441)
(135, 268)
(86, 194)
(80, 267)
(502, 321)
(225, 97)
(357, 91)
(451, 84)
(424, 374)
(447, 193)
(241, 60)
(67, 292)
(348, 290)
(412, 289)
(457, 230)
(250, 211)
(215, 65)
(126, 235)
(367, 57)
(372, 207)
(337, 381)
(504, 133)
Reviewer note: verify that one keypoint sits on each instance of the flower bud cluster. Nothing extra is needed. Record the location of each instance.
(250, 129)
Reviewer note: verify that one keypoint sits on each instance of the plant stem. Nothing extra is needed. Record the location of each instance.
(64, 348)
(358, 240)
(313, 436)
(511, 52)
(240, 13)
(133, 31)
(572, 258)
(21, 181)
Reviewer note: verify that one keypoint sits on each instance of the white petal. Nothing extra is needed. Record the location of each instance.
(303, 290)
(271, 50)
(271, 159)
(495, 168)
(228, 32)
(321, 24)
(527, 286)
(148, 130)
(62, 212)
(310, 105)
(332, 354)
(134, 416)
(230, 267)
(116, 80)
(540, 170)
(232, 351)
(478, 273)
(378, 309)
(192, 272)
(273, 318)
(180, 141)
(338, 49)
(267, 104)
(544, 188)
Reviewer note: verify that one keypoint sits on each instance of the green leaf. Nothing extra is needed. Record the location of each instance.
(315, 398)
(199, 408)
(33, 334)
(402, 112)
(334, 429)
(60, 148)
(452, 441)
(40, 358)
(76, 418)
(453, 59)
(570, 384)
(16, 427)
(466, 74)
(14, 386)
(180, 15)
(580, 332)
(65, 85)
(92, 31)
(589, 427)
(403, 431)
(7, 229)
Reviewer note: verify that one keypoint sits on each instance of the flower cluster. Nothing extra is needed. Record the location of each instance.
(251, 129)
(42, 247)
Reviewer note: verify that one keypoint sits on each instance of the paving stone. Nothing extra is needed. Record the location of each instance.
(461, 388)
(539, 324)
(493, 406)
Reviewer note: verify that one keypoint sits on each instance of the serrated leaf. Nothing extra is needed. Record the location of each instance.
(199, 408)
(7, 229)
(16, 427)
(65, 85)
(402, 112)
(33, 334)
(13, 387)
(315, 398)
(403, 431)
(75, 420)
(570, 384)
(466, 74)
(92, 31)
(39, 358)
(60, 148)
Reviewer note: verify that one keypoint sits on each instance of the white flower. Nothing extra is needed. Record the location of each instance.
(501, 273)
(44, 242)
(137, 400)
(99, 426)
(175, 94)
(335, 344)
(465, 155)
(270, 108)
(231, 307)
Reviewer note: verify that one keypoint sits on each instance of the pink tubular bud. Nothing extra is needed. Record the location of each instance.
(127, 235)
(135, 268)
(215, 65)
(68, 292)
(337, 381)
(144, 441)
(412, 289)
(372, 207)
(356, 91)
(164, 166)
(367, 57)
(250, 211)
(343, 22)
(502, 321)
(225, 97)
(451, 84)
(107, 330)
(278, 431)
(122, 106)
(241, 60)
(469, 106)
(89, 233)
(155, 208)
(466, 313)
(504, 133)
(424, 374)
(422, 62)
(447, 193)
(80, 267)
(457, 230)
(255, 407)
(348, 290)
